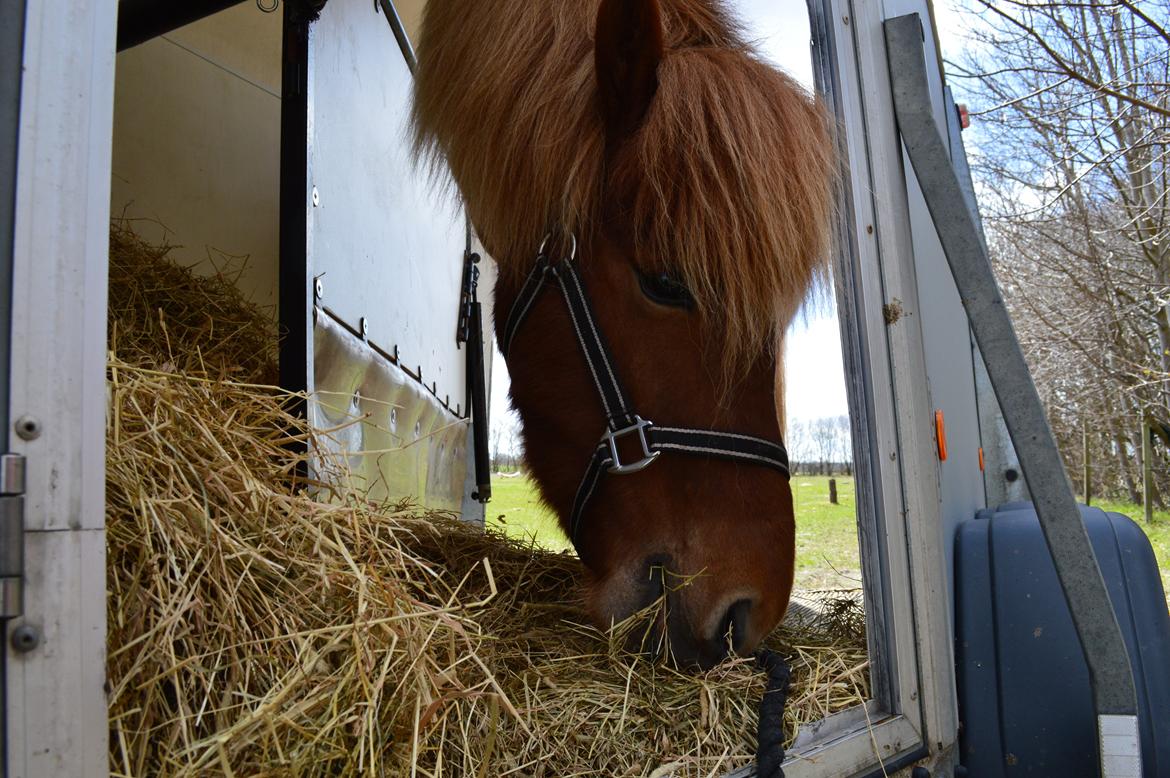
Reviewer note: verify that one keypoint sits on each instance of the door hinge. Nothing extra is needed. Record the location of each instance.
(11, 536)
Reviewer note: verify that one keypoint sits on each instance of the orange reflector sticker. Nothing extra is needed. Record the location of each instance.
(981, 457)
(964, 116)
(940, 435)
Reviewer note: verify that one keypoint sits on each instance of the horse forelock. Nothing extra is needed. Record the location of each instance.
(728, 180)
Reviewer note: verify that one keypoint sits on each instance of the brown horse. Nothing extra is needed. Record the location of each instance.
(696, 180)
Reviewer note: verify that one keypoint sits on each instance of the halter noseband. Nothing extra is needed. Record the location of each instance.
(621, 420)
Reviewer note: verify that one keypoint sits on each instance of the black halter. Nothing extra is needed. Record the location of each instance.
(621, 420)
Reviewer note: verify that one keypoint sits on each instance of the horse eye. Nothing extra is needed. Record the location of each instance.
(665, 289)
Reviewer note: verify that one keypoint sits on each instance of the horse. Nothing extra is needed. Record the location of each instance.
(656, 198)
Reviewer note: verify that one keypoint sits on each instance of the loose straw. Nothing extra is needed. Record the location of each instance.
(263, 625)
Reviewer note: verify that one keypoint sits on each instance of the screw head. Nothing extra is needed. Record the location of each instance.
(365, 327)
(25, 638)
(318, 288)
(316, 197)
(28, 427)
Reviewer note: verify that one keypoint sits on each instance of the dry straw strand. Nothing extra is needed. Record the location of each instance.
(262, 624)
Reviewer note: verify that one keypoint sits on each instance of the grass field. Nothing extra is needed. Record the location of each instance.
(826, 535)
(516, 509)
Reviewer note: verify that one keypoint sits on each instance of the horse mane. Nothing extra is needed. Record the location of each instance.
(728, 180)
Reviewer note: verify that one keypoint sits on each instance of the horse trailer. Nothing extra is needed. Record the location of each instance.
(281, 132)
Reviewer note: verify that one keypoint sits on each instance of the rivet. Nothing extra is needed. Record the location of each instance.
(365, 328)
(28, 427)
(318, 288)
(316, 197)
(25, 638)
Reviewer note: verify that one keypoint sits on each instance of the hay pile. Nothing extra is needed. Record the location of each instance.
(254, 630)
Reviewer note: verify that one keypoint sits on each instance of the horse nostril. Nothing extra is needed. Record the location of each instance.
(657, 565)
(735, 625)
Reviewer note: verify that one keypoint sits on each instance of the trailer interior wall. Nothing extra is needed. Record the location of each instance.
(197, 143)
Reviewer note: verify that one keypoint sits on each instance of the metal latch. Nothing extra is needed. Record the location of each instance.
(11, 535)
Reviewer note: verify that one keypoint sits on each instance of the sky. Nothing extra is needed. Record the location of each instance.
(815, 385)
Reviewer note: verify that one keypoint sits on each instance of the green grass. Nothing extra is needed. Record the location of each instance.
(516, 509)
(826, 535)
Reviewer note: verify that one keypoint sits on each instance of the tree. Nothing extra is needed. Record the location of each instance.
(844, 433)
(1072, 155)
(797, 442)
(497, 437)
(823, 434)
(506, 445)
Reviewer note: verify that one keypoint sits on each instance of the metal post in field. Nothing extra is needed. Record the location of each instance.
(1087, 473)
(1147, 472)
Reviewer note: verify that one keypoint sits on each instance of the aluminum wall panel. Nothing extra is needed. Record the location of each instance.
(383, 264)
(386, 242)
(392, 437)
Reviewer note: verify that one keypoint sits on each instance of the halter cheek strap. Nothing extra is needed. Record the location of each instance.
(621, 420)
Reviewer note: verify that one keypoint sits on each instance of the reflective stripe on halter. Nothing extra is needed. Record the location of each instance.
(621, 420)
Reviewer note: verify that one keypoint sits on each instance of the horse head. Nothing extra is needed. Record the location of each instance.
(643, 339)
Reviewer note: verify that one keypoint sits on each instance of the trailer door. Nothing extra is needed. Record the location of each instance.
(56, 116)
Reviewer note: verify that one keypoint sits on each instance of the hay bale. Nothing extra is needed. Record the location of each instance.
(257, 630)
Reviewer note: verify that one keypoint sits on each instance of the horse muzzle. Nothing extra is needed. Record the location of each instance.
(673, 623)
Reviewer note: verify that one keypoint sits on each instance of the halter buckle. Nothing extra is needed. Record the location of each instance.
(610, 436)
